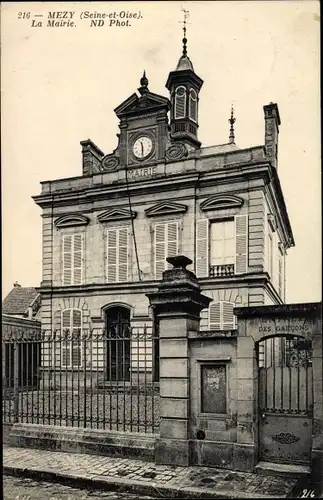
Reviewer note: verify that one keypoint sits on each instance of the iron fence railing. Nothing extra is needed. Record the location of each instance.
(102, 379)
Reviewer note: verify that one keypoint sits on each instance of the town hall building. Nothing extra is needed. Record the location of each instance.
(106, 234)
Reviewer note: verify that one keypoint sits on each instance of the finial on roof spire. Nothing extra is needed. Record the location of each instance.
(143, 80)
(143, 84)
(186, 15)
(232, 121)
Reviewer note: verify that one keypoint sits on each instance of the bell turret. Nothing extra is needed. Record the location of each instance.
(184, 86)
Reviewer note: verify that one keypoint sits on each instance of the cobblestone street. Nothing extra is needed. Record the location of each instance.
(28, 489)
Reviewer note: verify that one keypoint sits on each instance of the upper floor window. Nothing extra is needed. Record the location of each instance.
(222, 246)
(117, 254)
(73, 259)
(180, 102)
(221, 316)
(71, 351)
(193, 105)
(165, 245)
(222, 241)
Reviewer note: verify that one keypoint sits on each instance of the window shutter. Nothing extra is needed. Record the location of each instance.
(215, 316)
(112, 255)
(78, 259)
(160, 250)
(180, 102)
(66, 346)
(76, 319)
(280, 276)
(202, 248)
(67, 259)
(193, 105)
(123, 254)
(172, 240)
(76, 343)
(66, 319)
(241, 223)
(228, 318)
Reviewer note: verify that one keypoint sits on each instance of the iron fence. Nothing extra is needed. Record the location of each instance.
(101, 379)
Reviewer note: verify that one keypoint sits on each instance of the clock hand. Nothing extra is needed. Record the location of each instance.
(142, 148)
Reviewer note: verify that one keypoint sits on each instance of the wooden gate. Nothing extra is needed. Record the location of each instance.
(285, 399)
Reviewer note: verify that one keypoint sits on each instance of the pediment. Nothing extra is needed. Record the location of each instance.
(115, 214)
(166, 208)
(147, 102)
(71, 220)
(221, 201)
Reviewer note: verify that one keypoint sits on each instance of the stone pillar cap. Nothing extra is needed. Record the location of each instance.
(180, 261)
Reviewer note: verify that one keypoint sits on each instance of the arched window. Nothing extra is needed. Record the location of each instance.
(71, 353)
(221, 316)
(180, 102)
(193, 105)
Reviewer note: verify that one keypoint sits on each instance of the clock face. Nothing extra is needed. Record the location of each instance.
(142, 147)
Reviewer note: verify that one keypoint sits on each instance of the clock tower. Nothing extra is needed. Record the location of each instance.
(144, 130)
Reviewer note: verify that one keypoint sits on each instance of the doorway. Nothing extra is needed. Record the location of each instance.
(118, 344)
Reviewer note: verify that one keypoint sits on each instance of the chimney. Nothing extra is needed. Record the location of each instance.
(272, 122)
(91, 157)
(16, 285)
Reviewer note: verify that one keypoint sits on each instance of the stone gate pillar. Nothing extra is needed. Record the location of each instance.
(177, 303)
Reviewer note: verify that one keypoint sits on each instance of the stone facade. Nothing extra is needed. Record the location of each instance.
(101, 229)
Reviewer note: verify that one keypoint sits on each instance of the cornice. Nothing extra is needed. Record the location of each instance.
(248, 279)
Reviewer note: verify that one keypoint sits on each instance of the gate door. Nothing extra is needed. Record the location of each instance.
(285, 399)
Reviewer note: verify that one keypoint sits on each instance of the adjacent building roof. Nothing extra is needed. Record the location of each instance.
(19, 299)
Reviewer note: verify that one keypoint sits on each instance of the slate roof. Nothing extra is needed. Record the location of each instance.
(18, 300)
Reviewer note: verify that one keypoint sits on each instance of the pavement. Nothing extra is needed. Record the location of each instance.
(140, 477)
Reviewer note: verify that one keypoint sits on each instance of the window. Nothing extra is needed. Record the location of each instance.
(222, 243)
(193, 105)
(72, 259)
(213, 389)
(180, 102)
(117, 254)
(71, 350)
(165, 245)
(221, 316)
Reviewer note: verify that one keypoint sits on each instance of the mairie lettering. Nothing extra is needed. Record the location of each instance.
(139, 173)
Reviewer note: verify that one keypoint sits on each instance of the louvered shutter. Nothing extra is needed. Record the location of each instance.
(172, 240)
(160, 249)
(228, 319)
(77, 259)
(241, 264)
(215, 316)
(280, 276)
(76, 343)
(123, 254)
(66, 346)
(202, 248)
(283, 276)
(67, 259)
(112, 242)
(180, 102)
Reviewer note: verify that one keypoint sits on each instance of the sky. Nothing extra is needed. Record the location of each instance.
(60, 85)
